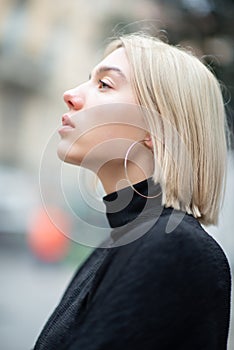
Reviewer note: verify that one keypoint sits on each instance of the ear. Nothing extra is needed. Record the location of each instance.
(148, 142)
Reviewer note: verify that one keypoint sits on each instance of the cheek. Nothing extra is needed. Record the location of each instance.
(108, 133)
(102, 133)
(125, 98)
(108, 142)
(99, 145)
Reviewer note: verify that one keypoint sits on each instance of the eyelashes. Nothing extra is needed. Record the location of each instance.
(103, 85)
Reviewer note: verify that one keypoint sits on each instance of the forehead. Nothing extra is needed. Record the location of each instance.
(116, 59)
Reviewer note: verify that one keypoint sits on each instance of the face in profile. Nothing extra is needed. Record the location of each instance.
(103, 118)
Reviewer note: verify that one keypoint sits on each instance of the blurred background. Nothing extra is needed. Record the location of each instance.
(47, 47)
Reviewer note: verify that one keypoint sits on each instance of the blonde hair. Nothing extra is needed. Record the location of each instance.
(186, 120)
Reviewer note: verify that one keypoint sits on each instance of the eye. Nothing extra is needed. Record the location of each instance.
(102, 85)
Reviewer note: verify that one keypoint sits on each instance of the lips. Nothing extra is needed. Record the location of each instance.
(67, 125)
(66, 121)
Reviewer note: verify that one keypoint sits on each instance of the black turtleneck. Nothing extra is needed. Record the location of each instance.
(126, 205)
(162, 283)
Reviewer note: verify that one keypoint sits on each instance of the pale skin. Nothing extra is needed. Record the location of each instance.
(96, 136)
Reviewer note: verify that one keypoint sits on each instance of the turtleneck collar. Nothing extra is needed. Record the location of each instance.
(125, 205)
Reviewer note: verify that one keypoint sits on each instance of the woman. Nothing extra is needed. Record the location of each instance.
(150, 123)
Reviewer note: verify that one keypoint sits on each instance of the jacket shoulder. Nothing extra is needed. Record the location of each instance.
(178, 240)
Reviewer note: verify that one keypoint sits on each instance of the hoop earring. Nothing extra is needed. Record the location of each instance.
(126, 172)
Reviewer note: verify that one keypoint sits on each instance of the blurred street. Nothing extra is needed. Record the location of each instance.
(29, 292)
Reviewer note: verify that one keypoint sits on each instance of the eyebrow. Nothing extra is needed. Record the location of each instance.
(104, 69)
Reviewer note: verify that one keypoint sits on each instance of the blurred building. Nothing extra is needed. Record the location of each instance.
(47, 47)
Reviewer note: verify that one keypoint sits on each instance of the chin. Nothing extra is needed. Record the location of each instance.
(66, 156)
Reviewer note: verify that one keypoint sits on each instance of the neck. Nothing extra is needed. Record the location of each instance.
(113, 176)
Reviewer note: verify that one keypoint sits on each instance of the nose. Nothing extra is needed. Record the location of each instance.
(73, 100)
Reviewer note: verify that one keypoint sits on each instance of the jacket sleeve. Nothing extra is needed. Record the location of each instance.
(168, 295)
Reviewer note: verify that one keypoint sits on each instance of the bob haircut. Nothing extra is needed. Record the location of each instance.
(186, 119)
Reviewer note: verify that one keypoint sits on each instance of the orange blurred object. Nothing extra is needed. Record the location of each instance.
(45, 235)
